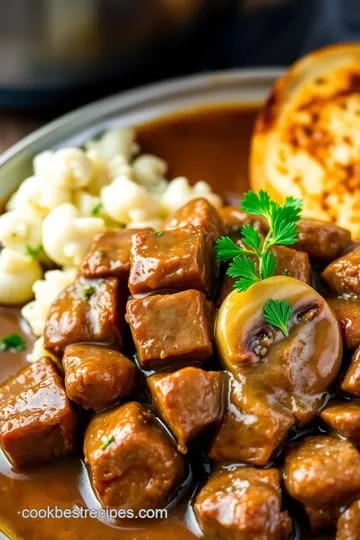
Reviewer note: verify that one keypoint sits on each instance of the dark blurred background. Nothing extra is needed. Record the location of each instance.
(58, 54)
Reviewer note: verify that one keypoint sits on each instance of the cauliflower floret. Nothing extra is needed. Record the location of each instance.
(39, 194)
(67, 236)
(179, 192)
(123, 196)
(21, 230)
(149, 170)
(17, 276)
(39, 352)
(46, 290)
(71, 168)
(119, 166)
(115, 142)
(101, 173)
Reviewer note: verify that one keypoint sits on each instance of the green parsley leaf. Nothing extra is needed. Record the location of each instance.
(278, 313)
(97, 209)
(158, 233)
(251, 236)
(244, 268)
(268, 265)
(32, 252)
(257, 203)
(226, 249)
(12, 342)
(87, 292)
(106, 443)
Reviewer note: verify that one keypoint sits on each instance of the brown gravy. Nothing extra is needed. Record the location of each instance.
(210, 144)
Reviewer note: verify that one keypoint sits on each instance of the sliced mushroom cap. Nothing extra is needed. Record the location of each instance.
(295, 370)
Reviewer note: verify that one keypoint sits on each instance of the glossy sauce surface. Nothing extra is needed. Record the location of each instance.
(210, 144)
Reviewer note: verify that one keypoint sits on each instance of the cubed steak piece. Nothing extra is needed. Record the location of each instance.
(233, 219)
(189, 400)
(180, 259)
(322, 473)
(243, 503)
(38, 425)
(348, 526)
(200, 213)
(171, 327)
(252, 429)
(321, 240)
(96, 376)
(290, 262)
(87, 310)
(343, 275)
(344, 418)
(109, 255)
(347, 312)
(351, 381)
(132, 462)
(29, 376)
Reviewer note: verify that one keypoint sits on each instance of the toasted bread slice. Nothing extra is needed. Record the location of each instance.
(306, 141)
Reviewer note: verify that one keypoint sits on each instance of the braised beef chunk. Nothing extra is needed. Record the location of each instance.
(347, 312)
(252, 429)
(189, 400)
(348, 526)
(29, 376)
(38, 425)
(344, 418)
(200, 213)
(290, 262)
(343, 275)
(322, 473)
(87, 310)
(132, 462)
(96, 376)
(109, 255)
(321, 240)
(351, 381)
(179, 259)
(243, 503)
(233, 219)
(171, 327)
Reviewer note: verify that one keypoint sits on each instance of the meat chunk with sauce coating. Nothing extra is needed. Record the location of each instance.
(343, 275)
(189, 400)
(322, 473)
(321, 240)
(109, 255)
(38, 425)
(86, 310)
(348, 526)
(133, 464)
(180, 259)
(351, 381)
(200, 213)
(347, 312)
(344, 418)
(96, 376)
(253, 426)
(234, 219)
(243, 503)
(171, 327)
(26, 378)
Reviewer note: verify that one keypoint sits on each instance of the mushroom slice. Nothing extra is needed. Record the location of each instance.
(293, 371)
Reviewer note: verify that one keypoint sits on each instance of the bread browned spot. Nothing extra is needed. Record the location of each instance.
(307, 136)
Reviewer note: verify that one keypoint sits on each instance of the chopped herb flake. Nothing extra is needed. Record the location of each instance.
(285, 272)
(300, 404)
(97, 209)
(32, 252)
(87, 292)
(158, 233)
(13, 343)
(302, 342)
(100, 254)
(106, 443)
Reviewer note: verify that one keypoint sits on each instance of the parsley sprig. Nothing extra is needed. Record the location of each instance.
(282, 231)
